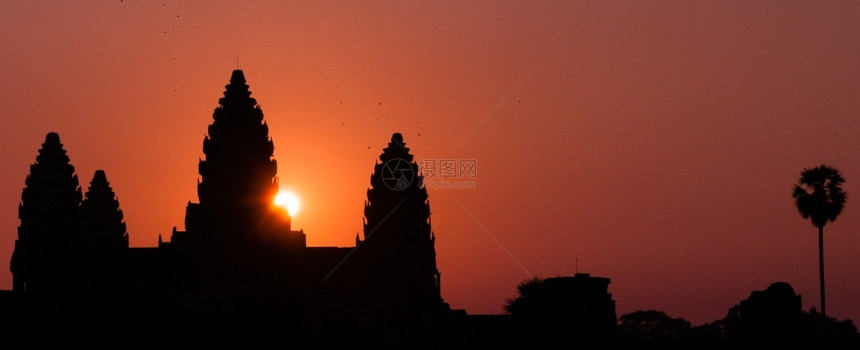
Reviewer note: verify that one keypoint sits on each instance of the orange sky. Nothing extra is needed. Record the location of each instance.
(655, 142)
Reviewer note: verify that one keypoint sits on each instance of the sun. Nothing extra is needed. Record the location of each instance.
(289, 201)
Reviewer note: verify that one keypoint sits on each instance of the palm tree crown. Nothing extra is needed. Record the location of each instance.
(820, 197)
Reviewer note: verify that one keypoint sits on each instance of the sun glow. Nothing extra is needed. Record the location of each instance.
(289, 201)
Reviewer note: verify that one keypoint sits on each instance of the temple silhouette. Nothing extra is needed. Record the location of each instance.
(239, 273)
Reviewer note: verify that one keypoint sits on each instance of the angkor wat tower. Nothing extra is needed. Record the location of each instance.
(50, 203)
(399, 244)
(236, 231)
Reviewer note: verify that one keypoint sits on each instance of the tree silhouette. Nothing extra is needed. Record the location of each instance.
(528, 293)
(653, 325)
(768, 317)
(819, 197)
(773, 319)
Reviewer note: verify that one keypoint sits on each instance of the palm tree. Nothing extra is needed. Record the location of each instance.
(530, 293)
(820, 198)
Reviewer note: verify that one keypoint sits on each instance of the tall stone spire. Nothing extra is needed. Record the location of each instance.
(396, 200)
(239, 168)
(236, 231)
(398, 246)
(103, 227)
(49, 221)
(103, 236)
(238, 175)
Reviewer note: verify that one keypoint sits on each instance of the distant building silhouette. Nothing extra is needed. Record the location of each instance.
(565, 310)
(773, 318)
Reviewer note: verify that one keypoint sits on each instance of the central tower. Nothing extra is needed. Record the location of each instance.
(239, 171)
(236, 218)
(236, 234)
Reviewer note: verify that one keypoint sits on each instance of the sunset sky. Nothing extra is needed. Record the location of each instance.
(655, 143)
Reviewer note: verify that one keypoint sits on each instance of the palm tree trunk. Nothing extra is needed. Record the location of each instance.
(821, 266)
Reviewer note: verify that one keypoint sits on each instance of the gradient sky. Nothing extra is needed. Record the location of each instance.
(656, 143)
